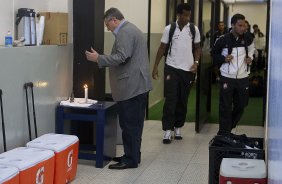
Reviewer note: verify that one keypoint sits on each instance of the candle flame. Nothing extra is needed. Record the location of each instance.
(85, 86)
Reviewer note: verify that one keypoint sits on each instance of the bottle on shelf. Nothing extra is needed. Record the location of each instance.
(9, 39)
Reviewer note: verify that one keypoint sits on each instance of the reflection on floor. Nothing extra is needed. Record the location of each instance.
(181, 162)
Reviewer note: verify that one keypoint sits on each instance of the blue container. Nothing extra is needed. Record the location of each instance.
(8, 39)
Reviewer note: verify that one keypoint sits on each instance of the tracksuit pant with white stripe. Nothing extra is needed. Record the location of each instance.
(234, 97)
(177, 87)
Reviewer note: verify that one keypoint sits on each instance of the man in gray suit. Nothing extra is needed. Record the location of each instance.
(130, 83)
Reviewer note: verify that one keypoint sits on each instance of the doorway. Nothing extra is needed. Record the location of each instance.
(195, 112)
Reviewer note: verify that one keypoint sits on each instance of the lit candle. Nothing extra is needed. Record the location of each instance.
(85, 93)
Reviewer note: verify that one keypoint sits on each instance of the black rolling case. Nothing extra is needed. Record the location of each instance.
(29, 92)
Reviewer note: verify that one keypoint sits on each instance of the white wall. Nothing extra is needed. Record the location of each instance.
(196, 13)
(207, 11)
(158, 16)
(48, 65)
(254, 13)
(206, 16)
(135, 11)
(8, 10)
(221, 11)
(43, 5)
(51, 65)
(158, 21)
(6, 19)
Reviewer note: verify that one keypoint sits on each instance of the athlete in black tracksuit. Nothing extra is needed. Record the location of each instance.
(233, 53)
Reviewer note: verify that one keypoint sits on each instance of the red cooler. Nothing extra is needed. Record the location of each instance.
(66, 154)
(35, 165)
(9, 175)
(242, 171)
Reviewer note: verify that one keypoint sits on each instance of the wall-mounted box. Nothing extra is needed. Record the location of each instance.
(56, 28)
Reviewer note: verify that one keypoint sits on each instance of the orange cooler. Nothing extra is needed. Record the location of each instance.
(36, 166)
(66, 154)
(9, 175)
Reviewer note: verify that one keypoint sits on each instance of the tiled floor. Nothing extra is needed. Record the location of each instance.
(181, 162)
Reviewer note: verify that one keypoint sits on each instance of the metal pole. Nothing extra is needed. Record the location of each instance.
(3, 125)
(27, 109)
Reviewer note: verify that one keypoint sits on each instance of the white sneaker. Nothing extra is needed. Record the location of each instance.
(167, 137)
(177, 134)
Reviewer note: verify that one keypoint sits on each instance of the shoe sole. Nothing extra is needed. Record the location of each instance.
(127, 167)
(119, 160)
(166, 141)
(177, 137)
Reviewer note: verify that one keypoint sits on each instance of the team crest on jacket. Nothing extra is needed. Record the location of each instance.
(225, 85)
(168, 77)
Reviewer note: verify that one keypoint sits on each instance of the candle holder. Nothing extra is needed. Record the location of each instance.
(72, 97)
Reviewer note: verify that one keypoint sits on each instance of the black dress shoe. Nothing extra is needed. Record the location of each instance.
(117, 159)
(121, 165)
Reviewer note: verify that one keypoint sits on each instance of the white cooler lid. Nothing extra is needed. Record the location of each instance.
(24, 157)
(243, 168)
(7, 172)
(55, 142)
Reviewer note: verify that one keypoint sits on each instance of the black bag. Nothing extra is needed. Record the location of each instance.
(227, 141)
(256, 87)
(235, 141)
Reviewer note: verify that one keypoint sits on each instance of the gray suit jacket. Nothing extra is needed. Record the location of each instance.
(128, 64)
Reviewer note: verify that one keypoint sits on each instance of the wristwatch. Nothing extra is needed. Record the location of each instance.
(196, 62)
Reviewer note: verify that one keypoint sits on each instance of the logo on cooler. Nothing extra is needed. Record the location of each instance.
(40, 176)
(70, 157)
